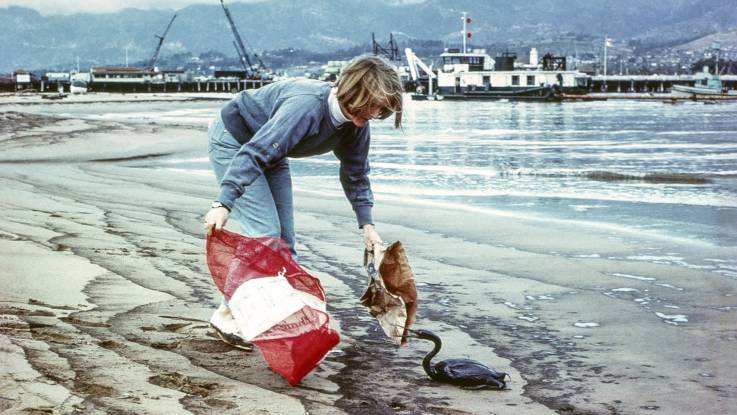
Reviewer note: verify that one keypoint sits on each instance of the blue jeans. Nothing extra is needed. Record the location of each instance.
(266, 207)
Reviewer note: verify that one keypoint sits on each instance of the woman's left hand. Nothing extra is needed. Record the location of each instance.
(216, 219)
(371, 237)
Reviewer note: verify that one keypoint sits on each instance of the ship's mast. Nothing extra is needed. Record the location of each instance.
(152, 63)
(716, 46)
(464, 31)
(238, 43)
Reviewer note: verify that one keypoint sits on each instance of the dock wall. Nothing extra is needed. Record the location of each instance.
(232, 86)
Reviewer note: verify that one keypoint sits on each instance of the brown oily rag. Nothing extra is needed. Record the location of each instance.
(387, 308)
(400, 280)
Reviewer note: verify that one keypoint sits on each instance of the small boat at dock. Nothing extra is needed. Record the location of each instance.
(709, 85)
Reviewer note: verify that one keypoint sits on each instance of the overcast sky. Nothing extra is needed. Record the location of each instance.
(103, 6)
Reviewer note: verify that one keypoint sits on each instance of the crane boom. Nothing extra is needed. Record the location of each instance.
(413, 62)
(245, 61)
(161, 42)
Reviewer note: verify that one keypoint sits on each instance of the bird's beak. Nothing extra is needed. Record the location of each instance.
(413, 333)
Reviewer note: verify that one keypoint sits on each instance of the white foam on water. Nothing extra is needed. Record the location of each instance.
(511, 304)
(728, 267)
(635, 277)
(196, 172)
(670, 155)
(189, 160)
(691, 266)
(545, 297)
(528, 318)
(625, 290)
(403, 167)
(587, 256)
(654, 258)
(586, 325)
(561, 192)
(585, 208)
(675, 318)
(194, 116)
(669, 286)
(727, 273)
(670, 306)
(411, 201)
(700, 132)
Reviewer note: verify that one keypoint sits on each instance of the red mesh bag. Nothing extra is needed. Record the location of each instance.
(276, 304)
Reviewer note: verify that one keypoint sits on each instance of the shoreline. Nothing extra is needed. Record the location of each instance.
(127, 330)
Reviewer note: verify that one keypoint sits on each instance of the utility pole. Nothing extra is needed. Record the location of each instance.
(716, 46)
(607, 42)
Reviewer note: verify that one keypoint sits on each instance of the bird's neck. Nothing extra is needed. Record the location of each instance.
(429, 369)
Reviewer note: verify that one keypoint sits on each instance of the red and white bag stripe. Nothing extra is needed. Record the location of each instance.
(276, 304)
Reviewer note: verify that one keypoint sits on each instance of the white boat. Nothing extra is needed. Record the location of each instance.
(476, 75)
(78, 82)
(706, 84)
(471, 74)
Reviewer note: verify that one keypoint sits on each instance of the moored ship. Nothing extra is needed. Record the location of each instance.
(475, 75)
(705, 85)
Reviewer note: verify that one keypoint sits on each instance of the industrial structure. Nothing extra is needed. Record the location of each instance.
(152, 63)
(252, 71)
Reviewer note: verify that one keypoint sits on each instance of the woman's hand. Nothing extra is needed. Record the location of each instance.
(371, 237)
(216, 219)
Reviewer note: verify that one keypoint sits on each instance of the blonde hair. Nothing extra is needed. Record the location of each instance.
(369, 82)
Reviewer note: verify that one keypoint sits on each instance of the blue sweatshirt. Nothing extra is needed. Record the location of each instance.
(292, 119)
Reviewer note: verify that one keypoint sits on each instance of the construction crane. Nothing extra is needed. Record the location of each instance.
(152, 64)
(238, 43)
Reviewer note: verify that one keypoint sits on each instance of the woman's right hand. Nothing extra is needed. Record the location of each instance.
(215, 219)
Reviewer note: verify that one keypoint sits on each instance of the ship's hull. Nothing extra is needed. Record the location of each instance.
(688, 91)
(542, 94)
(78, 87)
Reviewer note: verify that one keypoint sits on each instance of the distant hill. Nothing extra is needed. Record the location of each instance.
(31, 40)
(727, 40)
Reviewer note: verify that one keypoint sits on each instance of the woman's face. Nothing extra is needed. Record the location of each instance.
(360, 120)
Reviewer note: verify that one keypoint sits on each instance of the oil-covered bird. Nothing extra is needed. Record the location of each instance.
(462, 372)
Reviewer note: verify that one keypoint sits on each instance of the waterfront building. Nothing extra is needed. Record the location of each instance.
(22, 80)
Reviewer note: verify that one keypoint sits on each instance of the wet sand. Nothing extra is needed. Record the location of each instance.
(106, 297)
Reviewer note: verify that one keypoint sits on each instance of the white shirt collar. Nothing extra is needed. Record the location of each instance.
(336, 114)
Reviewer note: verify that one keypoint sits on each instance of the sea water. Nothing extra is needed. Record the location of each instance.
(650, 166)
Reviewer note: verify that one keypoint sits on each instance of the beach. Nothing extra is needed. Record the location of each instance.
(106, 293)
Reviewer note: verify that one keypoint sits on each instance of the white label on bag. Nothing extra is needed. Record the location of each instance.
(260, 303)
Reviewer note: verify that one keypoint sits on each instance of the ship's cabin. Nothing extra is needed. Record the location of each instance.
(453, 60)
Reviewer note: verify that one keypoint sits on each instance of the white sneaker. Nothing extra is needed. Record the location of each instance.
(223, 324)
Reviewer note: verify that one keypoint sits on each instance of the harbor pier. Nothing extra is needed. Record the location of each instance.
(209, 85)
(649, 83)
